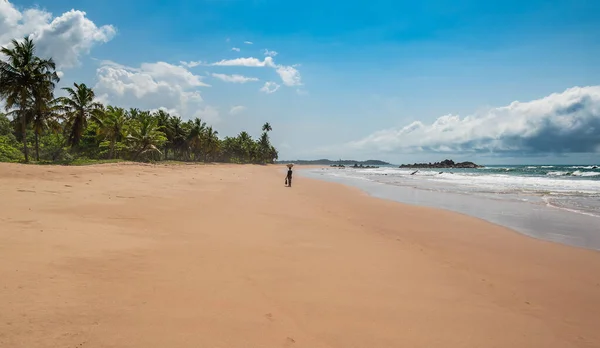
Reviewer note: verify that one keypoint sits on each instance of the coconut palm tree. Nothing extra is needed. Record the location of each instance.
(111, 121)
(211, 143)
(145, 137)
(79, 106)
(164, 123)
(45, 116)
(195, 139)
(267, 127)
(23, 78)
(178, 142)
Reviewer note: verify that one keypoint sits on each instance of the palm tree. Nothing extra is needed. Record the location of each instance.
(267, 127)
(78, 106)
(245, 146)
(23, 77)
(195, 139)
(145, 137)
(211, 143)
(112, 123)
(179, 136)
(44, 116)
(164, 123)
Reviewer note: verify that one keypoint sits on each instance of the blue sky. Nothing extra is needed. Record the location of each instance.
(353, 76)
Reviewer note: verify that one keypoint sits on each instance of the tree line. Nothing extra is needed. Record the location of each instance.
(39, 126)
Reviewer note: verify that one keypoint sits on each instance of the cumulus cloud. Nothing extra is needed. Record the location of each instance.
(235, 49)
(249, 42)
(152, 86)
(270, 87)
(567, 122)
(289, 75)
(248, 62)
(270, 53)
(236, 109)
(234, 78)
(64, 38)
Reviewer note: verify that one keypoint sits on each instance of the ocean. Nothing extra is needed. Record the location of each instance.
(560, 203)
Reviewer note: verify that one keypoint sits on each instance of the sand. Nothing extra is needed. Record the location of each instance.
(129, 255)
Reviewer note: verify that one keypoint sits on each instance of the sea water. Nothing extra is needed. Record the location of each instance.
(560, 203)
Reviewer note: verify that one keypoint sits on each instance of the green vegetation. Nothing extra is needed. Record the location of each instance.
(76, 129)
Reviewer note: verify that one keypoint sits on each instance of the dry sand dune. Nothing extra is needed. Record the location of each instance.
(131, 255)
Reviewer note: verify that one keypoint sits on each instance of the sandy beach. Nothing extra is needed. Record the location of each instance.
(132, 255)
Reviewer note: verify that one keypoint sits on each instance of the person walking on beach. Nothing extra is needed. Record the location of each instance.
(288, 178)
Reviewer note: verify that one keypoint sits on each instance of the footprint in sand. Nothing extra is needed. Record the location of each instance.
(269, 316)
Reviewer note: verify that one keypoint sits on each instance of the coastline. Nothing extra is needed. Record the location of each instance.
(225, 255)
(529, 215)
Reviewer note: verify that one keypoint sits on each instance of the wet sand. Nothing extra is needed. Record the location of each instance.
(129, 255)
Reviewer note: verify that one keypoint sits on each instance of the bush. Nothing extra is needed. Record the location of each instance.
(52, 148)
(9, 149)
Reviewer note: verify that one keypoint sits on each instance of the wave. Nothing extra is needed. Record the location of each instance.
(557, 173)
(587, 174)
(575, 173)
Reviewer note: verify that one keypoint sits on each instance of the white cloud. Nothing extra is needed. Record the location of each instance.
(152, 86)
(289, 75)
(249, 62)
(192, 64)
(236, 109)
(248, 42)
(270, 87)
(64, 38)
(270, 53)
(234, 78)
(235, 49)
(209, 114)
(567, 122)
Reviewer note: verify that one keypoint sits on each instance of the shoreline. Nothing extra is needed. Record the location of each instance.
(540, 221)
(225, 255)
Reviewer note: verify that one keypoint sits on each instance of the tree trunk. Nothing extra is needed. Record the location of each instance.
(24, 127)
(37, 147)
(111, 151)
(139, 152)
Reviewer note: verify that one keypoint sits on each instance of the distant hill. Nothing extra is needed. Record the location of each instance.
(330, 162)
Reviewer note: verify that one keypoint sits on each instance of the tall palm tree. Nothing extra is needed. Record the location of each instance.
(267, 127)
(24, 77)
(164, 123)
(45, 116)
(211, 143)
(195, 139)
(179, 142)
(111, 121)
(245, 146)
(145, 137)
(79, 106)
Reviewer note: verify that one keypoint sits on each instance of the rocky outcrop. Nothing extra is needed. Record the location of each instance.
(354, 166)
(443, 164)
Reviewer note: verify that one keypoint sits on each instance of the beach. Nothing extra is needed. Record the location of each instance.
(134, 255)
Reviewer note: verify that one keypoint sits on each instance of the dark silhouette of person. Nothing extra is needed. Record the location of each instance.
(289, 177)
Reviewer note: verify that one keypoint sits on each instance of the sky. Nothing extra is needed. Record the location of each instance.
(495, 82)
